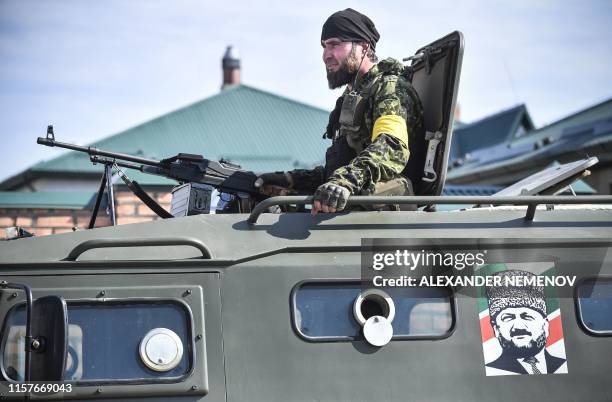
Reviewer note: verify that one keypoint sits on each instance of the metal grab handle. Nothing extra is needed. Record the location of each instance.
(532, 201)
(138, 242)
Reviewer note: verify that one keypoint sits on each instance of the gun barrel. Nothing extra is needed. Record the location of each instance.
(98, 152)
(102, 159)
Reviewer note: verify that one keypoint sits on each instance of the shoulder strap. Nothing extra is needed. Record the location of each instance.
(333, 124)
(144, 197)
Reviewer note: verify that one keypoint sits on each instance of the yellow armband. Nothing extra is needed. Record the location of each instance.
(392, 125)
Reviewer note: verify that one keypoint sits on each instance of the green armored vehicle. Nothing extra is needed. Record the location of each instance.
(508, 301)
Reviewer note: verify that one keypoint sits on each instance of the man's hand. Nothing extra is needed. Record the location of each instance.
(275, 184)
(330, 197)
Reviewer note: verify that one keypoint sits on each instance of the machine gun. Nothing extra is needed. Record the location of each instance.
(196, 174)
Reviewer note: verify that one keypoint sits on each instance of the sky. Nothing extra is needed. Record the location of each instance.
(94, 68)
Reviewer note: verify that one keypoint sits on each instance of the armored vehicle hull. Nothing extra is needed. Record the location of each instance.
(249, 304)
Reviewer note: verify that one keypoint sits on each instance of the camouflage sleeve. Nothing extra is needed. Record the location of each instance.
(382, 160)
(387, 155)
(306, 181)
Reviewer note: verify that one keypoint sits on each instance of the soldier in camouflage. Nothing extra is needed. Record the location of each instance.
(370, 127)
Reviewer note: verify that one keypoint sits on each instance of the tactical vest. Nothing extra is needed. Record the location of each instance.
(347, 127)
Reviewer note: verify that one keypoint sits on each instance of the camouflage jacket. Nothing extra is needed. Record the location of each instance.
(378, 139)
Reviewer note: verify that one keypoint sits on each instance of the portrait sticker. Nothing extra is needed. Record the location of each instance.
(520, 321)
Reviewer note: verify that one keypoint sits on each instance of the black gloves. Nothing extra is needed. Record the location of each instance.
(275, 184)
(330, 197)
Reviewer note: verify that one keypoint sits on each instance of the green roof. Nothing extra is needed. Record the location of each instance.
(581, 187)
(47, 199)
(258, 130)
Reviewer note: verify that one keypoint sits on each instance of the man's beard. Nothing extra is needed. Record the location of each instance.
(345, 73)
(518, 352)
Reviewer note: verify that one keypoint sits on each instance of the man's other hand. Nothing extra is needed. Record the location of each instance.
(330, 197)
(275, 184)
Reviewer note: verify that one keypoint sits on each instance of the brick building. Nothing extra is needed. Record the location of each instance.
(262, 132)
(45, 213)
(256, 129)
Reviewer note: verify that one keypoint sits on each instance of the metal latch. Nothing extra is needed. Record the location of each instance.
(429, 174)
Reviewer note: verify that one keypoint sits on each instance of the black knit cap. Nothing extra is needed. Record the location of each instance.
(350, 26)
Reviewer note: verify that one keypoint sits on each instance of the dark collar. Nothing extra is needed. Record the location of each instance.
(509, 363)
